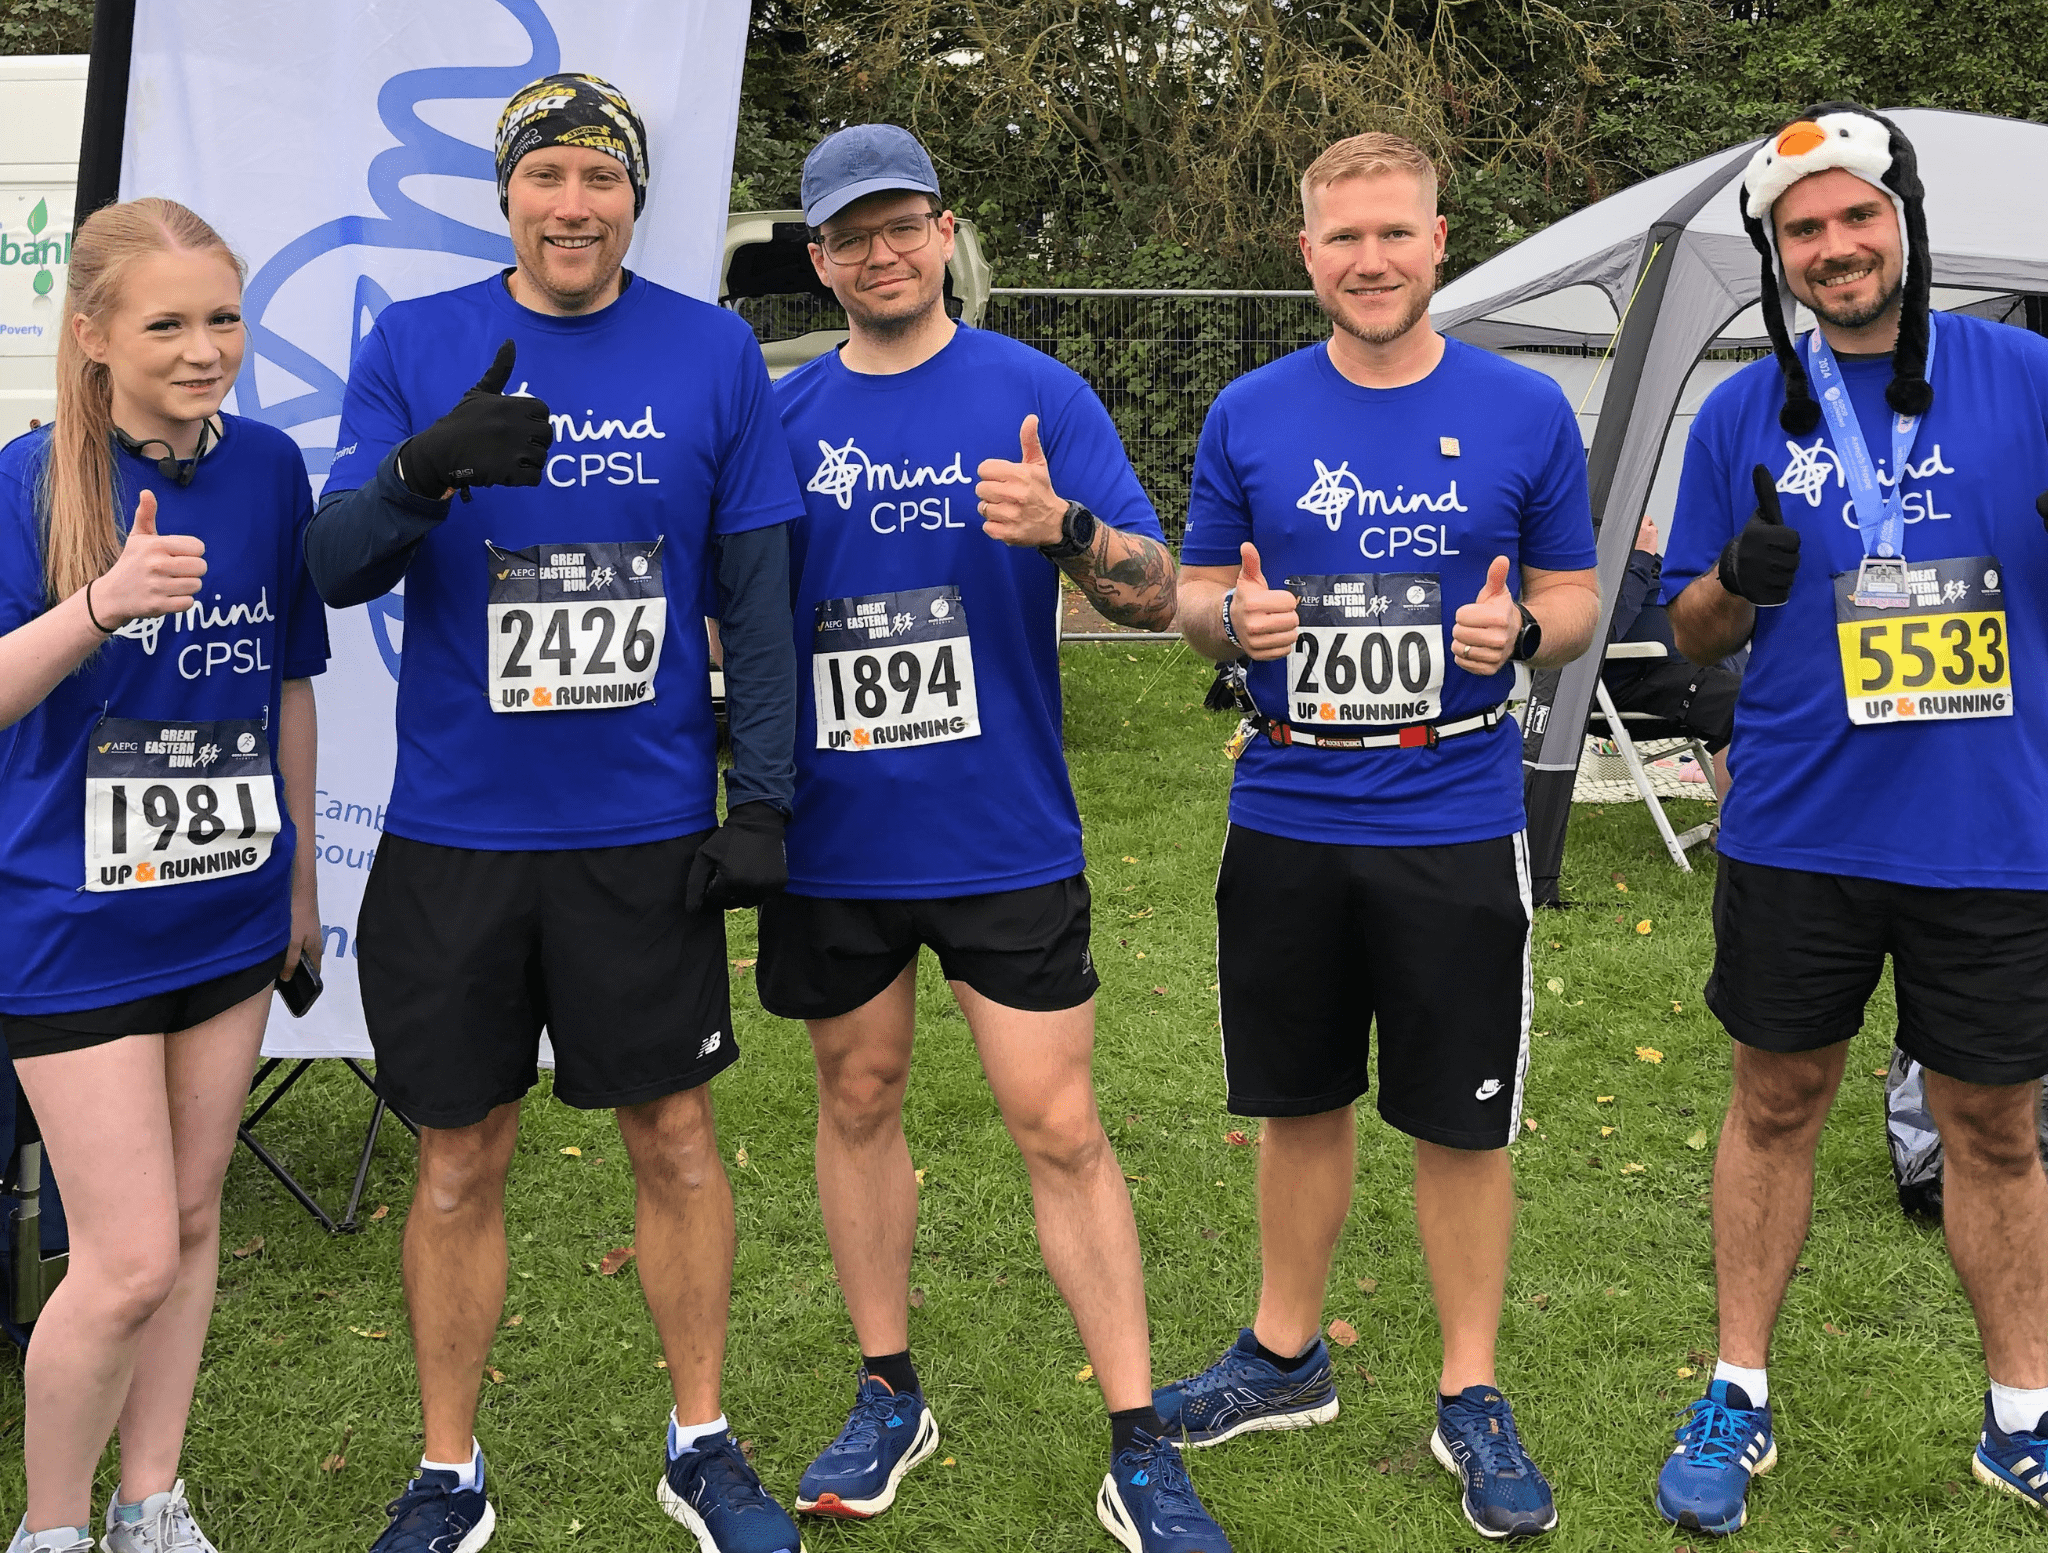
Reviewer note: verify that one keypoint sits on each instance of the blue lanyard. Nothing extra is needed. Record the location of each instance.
(1881, 515)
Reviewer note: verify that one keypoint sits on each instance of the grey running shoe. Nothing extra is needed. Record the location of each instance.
(166, 1527)
(63, 1539)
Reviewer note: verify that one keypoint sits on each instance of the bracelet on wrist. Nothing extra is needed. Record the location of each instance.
(95, 619)
(1229, 630)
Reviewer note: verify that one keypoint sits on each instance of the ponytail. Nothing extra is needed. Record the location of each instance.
(79, 506)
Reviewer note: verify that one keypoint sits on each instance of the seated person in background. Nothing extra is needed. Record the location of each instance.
(1701, 701)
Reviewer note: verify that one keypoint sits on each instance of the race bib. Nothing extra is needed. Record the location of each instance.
(575, 626)
(892, 670)
(1370, 652)
(1941, 657)
(168, 803)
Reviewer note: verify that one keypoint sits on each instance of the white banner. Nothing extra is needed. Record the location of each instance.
(344, 150)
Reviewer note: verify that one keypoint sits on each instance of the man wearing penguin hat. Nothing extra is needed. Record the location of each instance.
(1860, 508)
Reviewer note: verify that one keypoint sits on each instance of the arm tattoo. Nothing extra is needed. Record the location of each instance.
(1127, 577)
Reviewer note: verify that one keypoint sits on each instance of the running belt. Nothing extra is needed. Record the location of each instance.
(1410, 736)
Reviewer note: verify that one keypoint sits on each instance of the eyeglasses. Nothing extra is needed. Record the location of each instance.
(906, 234)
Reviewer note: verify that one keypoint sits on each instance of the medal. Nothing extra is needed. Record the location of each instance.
(1881, 584)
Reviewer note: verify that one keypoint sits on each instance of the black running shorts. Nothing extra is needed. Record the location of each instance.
(468, 955)
(1318, 942)
(1796, 955)
(822, 957)
(165, 1013)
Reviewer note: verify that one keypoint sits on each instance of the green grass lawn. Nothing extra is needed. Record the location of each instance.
(1610, 1304)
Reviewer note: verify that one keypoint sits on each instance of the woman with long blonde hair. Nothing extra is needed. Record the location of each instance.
(157, 637)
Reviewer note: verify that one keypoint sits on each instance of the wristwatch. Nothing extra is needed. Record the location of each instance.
(1077, 533)
(1530, 641)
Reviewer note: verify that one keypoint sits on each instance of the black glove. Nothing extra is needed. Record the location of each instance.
(742, 863)
(2041, 506)
(1759, 562)
(487, 439)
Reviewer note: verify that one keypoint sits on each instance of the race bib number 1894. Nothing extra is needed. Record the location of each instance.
(574, 626)
(891, 670)
(170, 803)
(1941, 657)
(1370, 651)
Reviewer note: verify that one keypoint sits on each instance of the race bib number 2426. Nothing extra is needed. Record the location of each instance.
(575, 626)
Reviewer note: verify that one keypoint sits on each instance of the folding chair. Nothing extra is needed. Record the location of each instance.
(1626, 728)
(246, 1132)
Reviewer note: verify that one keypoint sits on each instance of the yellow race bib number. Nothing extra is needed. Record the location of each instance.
(1941, 658)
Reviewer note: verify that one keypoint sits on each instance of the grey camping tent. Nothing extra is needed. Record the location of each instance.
(1664, 272)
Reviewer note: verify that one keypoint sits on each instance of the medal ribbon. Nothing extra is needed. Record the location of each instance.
(1880, 514)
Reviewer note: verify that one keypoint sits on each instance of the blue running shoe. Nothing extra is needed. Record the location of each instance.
(1148, 1504)
(2017, 1463)
(1723, 1443)
(718, 1496)
(885, 1436)
(434, 1515)
(1241, 1392)
(1475, 1439)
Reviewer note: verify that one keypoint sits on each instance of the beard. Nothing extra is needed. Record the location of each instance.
(1853, 317)
(1411, 315)
(894, 326)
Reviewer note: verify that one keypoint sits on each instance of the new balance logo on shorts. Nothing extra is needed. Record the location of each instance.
(711, 1044)
(1487, 1090)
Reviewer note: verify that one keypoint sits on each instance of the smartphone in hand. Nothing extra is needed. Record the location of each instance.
(301, 989)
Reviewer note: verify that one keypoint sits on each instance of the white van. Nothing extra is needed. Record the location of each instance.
(45, 97)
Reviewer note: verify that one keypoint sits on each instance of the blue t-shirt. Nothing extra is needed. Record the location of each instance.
(1952, 803)
(1400, 498)
(664, 431)
(911, 802)
(255, 624)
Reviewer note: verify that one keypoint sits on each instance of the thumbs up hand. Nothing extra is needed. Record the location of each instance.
(487, 439)
(1264, 619)
(157, 574)
(1016, 498)
(1483, 636)
(1759, 563)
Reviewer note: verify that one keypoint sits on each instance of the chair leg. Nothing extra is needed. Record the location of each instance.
(1634, 762)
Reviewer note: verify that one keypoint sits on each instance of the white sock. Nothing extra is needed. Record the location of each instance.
(468, 1474)
(685, 1437)
(2016, 1410)
(26, 1541)
(1753, 1382)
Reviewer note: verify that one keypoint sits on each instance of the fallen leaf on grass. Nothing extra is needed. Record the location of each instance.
(513, 1321)
(1139, 916)
(575, 1527)
(1603, 1100)
(743, 965)
(1698, 1140)
(740, 1158)
(1648, 1054)
(1831, 1329)
(1540, 1301)
(949, 1462)
(1643, 926)
(1606, 1132)
(917, 1299)
(366, 1332)
(920, 1177)
(1879, 1072)
(339, 1459)
(1141, 954)
(615, 1259)
(1529, 1123)
(1235, 1138)
(243, 1253)
(1678, 1008)
(497, 1375)
(1632, 1169)
(573, 1152)
(383, 1212)
(1621, 880)
(1343, 1334)
(1137, 1178)
(1159, 992)
(1685, 1372)
(1130, 860)
(1554, 985)
(1085, 1373)
(1368, 1285)
(1211, 1234)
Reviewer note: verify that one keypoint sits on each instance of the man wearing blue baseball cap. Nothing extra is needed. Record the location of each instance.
(951, 477)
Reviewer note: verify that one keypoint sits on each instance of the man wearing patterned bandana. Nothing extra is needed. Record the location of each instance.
(1860, 508)
(550, 857)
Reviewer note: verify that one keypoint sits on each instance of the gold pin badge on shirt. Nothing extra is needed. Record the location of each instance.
(1448, 446)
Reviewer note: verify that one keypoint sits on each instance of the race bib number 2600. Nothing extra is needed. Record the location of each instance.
(1370, 651)
(893, 670)
(1940, 656)
(170, 803)
(575, 626)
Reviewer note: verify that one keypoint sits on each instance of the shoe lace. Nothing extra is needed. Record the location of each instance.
(1172, 1492)
(1227, 1372)
(1495, 1440)
(1711, 1434)
(414, 1523)
(870, 1416)
(727, 1478)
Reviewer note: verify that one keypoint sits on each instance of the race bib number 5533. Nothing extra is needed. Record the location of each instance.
(575, 625)
(169, 803)
(1370, 651)
(891, 670)
(1942, 657)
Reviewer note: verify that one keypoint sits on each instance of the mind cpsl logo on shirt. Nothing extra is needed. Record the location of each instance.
(1812, 471)
(845, 472)
(1335, 490)
(570, 471)
(204, 659)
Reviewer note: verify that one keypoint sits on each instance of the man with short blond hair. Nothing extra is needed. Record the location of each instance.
(1375, 871)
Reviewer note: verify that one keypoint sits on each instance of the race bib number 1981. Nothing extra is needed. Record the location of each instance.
(169, 803)
(575, 625)
(1370, 652)
(1941, 657)
(891, 670)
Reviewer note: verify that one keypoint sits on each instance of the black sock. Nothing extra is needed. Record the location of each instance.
(893, 1370)
(1123, 1426)
(1282, 1363)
